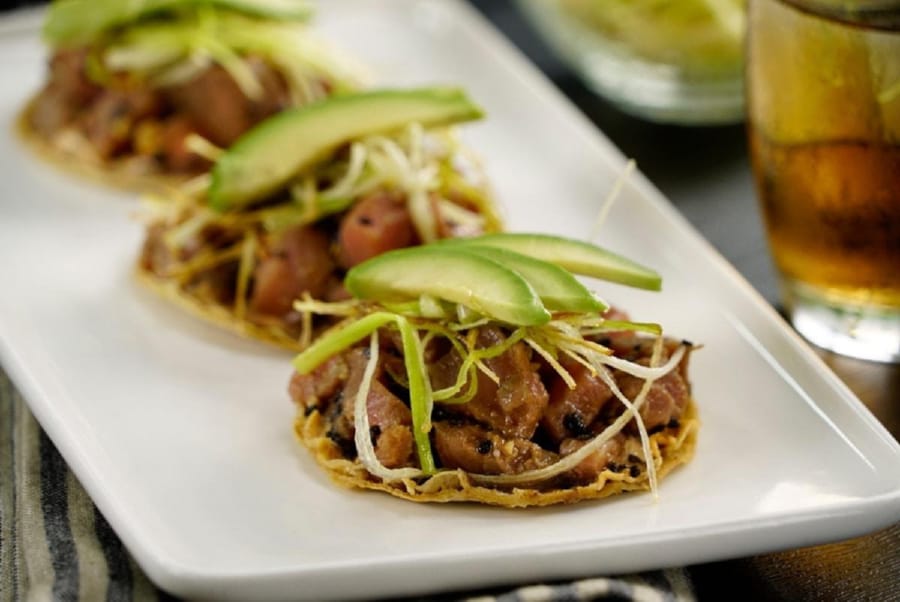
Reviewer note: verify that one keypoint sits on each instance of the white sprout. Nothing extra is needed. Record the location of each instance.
(611, 198)
(363, 437)
(575, 458)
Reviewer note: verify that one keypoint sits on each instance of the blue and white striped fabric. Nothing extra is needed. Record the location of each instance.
(55, 545)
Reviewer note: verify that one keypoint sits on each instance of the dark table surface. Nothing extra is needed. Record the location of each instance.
(705, 172)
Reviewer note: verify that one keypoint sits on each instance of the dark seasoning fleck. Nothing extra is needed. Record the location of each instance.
(574, 423)
(348, 448)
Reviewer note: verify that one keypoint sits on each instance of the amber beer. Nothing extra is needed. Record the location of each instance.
(833, 215)
(824, 109)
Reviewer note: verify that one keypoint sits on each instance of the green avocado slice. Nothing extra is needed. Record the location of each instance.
(452, 274)
(558, 289)
(78, 21)
(268, 156)
(574, 255)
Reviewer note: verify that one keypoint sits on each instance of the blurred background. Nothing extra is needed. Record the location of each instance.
(703, 169)
(699, 160)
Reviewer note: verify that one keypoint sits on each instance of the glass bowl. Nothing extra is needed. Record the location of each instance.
(669, 61)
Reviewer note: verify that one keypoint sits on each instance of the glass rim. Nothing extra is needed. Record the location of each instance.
(870, 14)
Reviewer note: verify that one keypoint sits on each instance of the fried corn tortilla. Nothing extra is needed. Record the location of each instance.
(495, 413)
(215, 313)
(70, 153)
(125, 93)
(671, 448)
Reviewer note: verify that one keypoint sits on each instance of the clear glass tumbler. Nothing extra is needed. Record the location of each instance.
(823, 96)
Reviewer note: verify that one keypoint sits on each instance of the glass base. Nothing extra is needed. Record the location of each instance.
(869, 333)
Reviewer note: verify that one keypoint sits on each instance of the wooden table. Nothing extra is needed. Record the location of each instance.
(706, 174)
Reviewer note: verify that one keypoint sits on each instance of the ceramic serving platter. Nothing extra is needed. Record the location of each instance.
(182, 434)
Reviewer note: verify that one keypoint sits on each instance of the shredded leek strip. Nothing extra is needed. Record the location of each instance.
(199, 145)
(462, 377)
(575, 458)
(140, 57)
(611, 198)
(363, 437)
(236, 67)
(637, 370)
(343, 187)
(183, 70)
(477, 356)
(487, 371)
(469, 393)
(629, 405)
(196, 186)
(548, 357)
(204, 261)
(421, 401)
(415, 134)
(245, 270)
(154, 209)
(287, 216)
(459, 214)
(467, 373)
(177, 237)
(559, 337)
(431, 307)
(476, 324)
(563, 328)
(651, 462)
(402, 307)
(281, 218)
(422, 213)
(455, 183)
(576, 357)
(307, 194)
(619, 325)
(416, 184)
(342, 337)
(304, 60)
(306, 318)
(500, 348)
(339, 338)
(326, 308)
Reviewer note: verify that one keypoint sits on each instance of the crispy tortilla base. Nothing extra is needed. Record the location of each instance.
(117, 174)
(214, 313)
(669, 449)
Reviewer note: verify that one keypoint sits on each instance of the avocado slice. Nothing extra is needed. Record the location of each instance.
(75, 21)
(269, 155)
(558, 289)
(453, 274)
(574, 255)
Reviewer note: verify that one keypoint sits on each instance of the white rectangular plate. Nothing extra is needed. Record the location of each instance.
(182, 434)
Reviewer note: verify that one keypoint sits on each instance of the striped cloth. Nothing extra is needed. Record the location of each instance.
(55, 544)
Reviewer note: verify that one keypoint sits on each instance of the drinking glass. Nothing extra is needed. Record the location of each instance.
(672, 61)
(823, 99)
